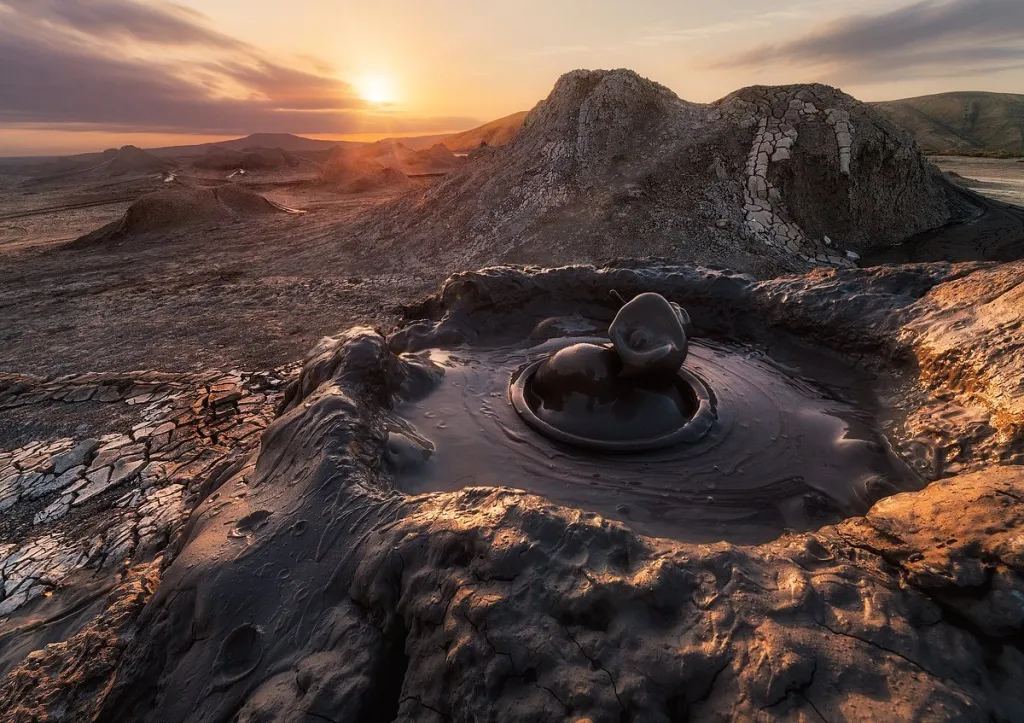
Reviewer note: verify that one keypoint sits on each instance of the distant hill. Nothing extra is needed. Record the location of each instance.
(971, 122)
(129, 159)
(284, 141)
(280, 141)
(496, 133)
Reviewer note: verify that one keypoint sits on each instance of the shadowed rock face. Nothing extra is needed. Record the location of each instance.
(614, 165)
(309, 587)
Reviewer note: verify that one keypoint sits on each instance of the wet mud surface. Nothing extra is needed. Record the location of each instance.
(787, 450)
(987, 230)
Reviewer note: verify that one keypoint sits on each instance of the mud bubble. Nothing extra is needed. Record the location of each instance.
(628, 396)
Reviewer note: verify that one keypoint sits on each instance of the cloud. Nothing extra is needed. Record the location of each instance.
(165, 24)
(132, 66)
(933, 37)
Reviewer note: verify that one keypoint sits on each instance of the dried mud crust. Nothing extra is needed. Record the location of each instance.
(82, 515)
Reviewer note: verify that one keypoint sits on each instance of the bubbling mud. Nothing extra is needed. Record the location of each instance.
(784, 451)
(581, 396)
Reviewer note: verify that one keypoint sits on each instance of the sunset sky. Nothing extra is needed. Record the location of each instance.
(83, 75)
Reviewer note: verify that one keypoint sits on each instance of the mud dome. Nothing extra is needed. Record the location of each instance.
(785, 450)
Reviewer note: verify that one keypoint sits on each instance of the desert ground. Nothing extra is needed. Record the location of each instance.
(998, 178)
(257, 460)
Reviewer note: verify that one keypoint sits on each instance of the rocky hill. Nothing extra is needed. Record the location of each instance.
(966, 122)
(612, 164)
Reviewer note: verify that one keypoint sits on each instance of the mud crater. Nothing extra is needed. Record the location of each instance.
(795, 444)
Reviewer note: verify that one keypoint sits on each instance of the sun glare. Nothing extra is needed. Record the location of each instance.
(376, 89)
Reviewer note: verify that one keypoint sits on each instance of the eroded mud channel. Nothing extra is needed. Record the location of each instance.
(796, 443)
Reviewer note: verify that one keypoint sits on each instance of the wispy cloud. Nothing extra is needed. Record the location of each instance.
(668, 35)
(165, 24)
(929, 38)
(744, 24)
(139, 66)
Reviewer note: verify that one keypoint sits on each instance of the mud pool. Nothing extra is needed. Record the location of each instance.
(794, 445)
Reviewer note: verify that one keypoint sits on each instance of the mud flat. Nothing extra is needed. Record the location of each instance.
(983, 229)
(997, 178)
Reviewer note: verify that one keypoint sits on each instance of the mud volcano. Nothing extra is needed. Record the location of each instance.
(679, 436)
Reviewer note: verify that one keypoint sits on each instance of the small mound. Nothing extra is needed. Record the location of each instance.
(130, 159)
(182, 207)
(436, 159)
(384, 178)
(268, 159)
(348, 164)
(359, 170)
(345, 165)
(218, 158)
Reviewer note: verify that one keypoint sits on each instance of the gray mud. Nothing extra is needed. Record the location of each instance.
(793, 447)
(985, 230)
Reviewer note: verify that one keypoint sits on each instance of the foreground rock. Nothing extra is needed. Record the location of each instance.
(86, 522)
(612, 164)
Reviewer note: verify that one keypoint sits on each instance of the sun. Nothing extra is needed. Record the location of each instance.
(376, 89)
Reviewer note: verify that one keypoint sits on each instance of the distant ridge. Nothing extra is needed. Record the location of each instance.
(284, 141)
(967, 122)
(496, 133)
